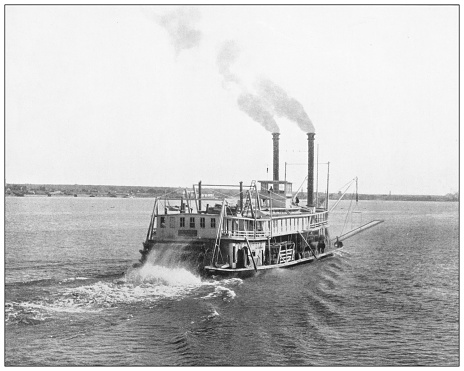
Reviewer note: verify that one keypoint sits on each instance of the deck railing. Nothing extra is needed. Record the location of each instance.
(275, 226)
(248, 234)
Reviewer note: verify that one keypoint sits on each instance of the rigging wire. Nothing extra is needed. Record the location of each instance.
(346, 217)
(345, 185)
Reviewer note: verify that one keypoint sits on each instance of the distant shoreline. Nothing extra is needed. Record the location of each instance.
(76, 190)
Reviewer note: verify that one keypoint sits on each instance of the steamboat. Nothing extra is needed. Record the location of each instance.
(265, 228)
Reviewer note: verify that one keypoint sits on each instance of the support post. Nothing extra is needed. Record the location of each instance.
(241, 196)
(285, 177)
(196, 200)
(327, 196)
(199, 196)
(317, 177)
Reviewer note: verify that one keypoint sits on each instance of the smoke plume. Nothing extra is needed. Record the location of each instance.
(271, 99)
(179, 24)
(284, 105)
(256, 109)
(226, 57)
(251, 104)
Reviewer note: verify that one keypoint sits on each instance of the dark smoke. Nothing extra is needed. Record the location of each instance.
(180, 26)
(284, 105)
(226, 57)
(256, 109)
(251, 104)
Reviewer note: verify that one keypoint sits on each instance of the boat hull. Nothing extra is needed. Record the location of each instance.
(251, 271)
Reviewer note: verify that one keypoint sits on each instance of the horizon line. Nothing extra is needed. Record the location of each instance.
(219, 185)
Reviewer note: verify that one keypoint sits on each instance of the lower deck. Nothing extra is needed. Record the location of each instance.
(238, 253)
(241, 254)
(251, 271)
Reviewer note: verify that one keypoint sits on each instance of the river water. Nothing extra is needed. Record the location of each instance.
(390, 297)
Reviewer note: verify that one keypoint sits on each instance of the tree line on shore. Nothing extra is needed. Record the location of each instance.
(12, 189)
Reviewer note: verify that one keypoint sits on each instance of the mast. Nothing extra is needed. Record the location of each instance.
(199, 196)
(241, 196)
(317, 176)
(327, 196)
(196, 200)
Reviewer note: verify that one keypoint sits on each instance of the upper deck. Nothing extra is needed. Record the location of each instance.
(267, 224)
(268, 212)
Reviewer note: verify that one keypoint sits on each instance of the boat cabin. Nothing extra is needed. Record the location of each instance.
(276, 194)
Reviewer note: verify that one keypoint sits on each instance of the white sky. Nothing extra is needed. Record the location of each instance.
(104, 95)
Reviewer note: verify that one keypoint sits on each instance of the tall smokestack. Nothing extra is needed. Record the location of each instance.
(310, 168)
(275, 140)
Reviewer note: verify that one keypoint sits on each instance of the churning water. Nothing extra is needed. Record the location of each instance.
(72, 298)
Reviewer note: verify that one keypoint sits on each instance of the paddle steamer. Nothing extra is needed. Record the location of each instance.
(266, 228)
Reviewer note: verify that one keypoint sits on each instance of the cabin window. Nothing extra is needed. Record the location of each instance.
(233, 254)
(202, 222)
(192, 222)
(172, 222)
(182, 222)
(213, 222)
(162, 222)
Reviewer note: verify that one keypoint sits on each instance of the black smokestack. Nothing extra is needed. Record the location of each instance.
(310, 168)
(275, 140)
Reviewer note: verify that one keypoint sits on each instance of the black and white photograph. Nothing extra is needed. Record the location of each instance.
(261, 185)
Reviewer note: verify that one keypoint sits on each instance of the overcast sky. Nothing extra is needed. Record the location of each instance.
(168, 96)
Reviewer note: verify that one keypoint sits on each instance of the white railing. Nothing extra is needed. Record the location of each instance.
(248, 234)
(278, 226)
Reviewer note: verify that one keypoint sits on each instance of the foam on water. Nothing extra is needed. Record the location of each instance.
(75, 279)
(157, 274)
(221, 291)
(92, 298)
(341, 252)
(213, 313)
(146, 284)
(23, 313)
